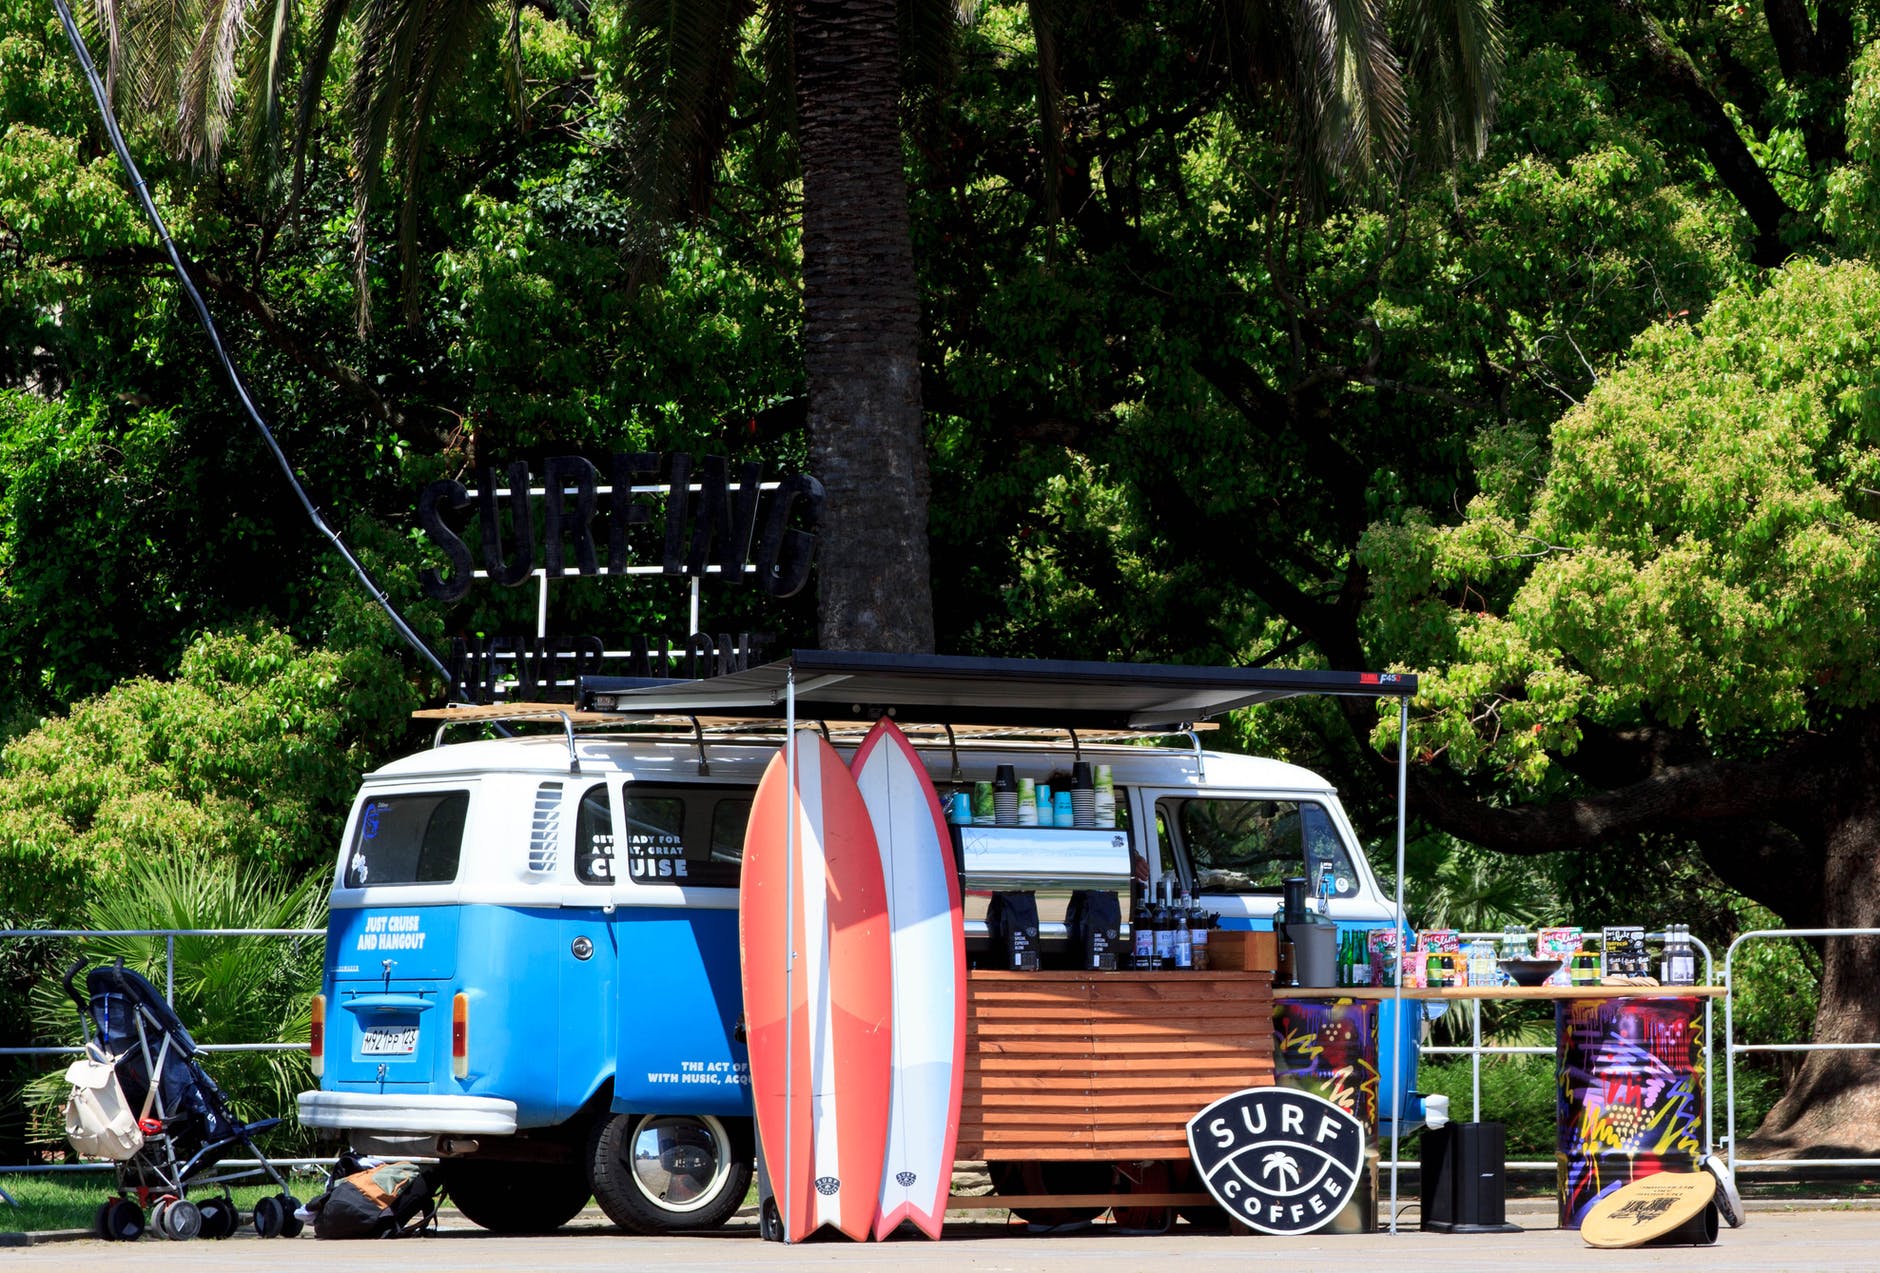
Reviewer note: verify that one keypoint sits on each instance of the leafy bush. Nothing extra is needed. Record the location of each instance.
(1516, 1091)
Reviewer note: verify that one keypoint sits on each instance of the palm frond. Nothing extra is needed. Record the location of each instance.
(267, 87)
(319, 56)
(207, 91)
(158, 37)
(390, 32)
(1350, 87)
(681, 61)
(450, 30)
(930, 38)
(1458, 49)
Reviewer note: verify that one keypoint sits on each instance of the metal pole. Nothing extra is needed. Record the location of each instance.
(789, 938)
(1475, 1061)
(541, 606)
(169, 969)
(1396, 1033)
(694, 619)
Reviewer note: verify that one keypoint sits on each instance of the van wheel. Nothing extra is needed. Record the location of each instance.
(667, 1173)
(511, 1197)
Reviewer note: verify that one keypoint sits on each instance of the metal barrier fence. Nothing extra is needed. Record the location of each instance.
(169, 992)
(1732, 1047)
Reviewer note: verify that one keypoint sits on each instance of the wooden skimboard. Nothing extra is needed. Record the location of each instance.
(1651, 1209)
(821, 1098)
(929, 945)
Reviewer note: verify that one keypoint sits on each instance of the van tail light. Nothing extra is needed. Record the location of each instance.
(316, 1036)
(460, 1035)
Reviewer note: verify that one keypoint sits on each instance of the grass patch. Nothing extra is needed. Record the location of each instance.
(70, 1200)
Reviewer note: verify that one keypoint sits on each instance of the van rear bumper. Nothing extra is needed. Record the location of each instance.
(401, 1112)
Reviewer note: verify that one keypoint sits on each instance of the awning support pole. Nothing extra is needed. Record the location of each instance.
(789, 942)
(1396, 1033)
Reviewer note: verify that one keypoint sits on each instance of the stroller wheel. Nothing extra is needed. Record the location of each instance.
(270, 1219)
(123, 1220)
(219, 1219)
(293, 1224)
(179, 1220)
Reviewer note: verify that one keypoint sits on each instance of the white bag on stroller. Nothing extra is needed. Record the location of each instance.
(98, 1121)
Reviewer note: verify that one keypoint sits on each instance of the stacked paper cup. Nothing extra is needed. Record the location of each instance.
(1083, 796)
(1005, 796)
(1027, 802)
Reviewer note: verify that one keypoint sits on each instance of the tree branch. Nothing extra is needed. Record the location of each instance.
(1736, 167)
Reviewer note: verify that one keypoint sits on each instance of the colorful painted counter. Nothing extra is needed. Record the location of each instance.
(1629, 1071)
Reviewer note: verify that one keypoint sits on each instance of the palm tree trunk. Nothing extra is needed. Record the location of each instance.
(861, 330)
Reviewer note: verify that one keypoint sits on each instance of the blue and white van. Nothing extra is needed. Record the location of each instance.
(532, 962)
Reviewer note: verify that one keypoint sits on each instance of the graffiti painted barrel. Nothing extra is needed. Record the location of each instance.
(1328, 1046)
(1629, 1094)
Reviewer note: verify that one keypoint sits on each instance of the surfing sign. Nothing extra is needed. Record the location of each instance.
(1281, 1161)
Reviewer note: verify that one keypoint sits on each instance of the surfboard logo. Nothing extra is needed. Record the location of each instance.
(904, 1178)
(827, 1185)
(1284, 1162)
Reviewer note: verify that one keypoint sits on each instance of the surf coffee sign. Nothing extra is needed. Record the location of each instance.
(1283, 1161)
(649, 514)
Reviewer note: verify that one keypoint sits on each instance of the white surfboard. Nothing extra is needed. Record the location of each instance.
(928, 942)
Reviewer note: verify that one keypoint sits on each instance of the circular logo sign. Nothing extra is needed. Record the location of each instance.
(1284, 1162)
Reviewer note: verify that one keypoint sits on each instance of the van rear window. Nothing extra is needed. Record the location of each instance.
(414, 839)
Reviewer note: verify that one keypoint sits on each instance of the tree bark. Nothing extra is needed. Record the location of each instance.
(861, 330)
(1832, 1107)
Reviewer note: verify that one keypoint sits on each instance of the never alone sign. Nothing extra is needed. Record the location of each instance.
(1282, 1161)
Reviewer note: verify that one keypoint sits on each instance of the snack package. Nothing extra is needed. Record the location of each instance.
(1415, 970)
(1446, 941)
(1562, 944)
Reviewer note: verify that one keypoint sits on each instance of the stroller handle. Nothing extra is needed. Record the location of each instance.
(71, 975)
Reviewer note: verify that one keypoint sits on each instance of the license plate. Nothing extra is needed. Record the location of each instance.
(389, 1040)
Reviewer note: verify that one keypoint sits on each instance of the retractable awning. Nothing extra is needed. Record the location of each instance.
(949, 689)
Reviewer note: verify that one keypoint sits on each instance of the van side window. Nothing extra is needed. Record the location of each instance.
(407, 839)
(1251, 846)
(690, 834)
(594, 837)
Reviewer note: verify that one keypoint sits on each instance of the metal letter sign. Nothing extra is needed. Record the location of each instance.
(1282, 1161)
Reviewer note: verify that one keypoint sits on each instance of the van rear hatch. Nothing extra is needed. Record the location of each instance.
(389, 1022)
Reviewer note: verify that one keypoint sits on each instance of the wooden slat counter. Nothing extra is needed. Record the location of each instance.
(1066, 1066)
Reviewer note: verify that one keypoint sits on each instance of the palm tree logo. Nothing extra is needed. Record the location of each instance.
(1280, 1163)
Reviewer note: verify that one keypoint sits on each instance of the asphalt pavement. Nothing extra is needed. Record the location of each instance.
(1817, 1241)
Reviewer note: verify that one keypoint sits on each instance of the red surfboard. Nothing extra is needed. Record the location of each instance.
(819, 1028)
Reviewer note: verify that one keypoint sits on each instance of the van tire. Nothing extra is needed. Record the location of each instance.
(707, 1190)
(511, 1197)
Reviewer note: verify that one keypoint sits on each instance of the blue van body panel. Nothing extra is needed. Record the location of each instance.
(588, 1007)
(680, 1003)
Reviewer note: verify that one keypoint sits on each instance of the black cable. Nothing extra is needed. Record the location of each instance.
(142, 190)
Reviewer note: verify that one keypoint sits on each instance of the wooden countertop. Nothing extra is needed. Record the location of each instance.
(1500, 992)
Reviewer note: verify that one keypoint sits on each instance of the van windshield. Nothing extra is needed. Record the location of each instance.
(1252, 846)
(413, 839)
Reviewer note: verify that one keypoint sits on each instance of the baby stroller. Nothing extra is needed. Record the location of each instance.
(142, 1098)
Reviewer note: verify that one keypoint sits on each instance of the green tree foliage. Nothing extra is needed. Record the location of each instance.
(251, 753)
(1671, 632)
